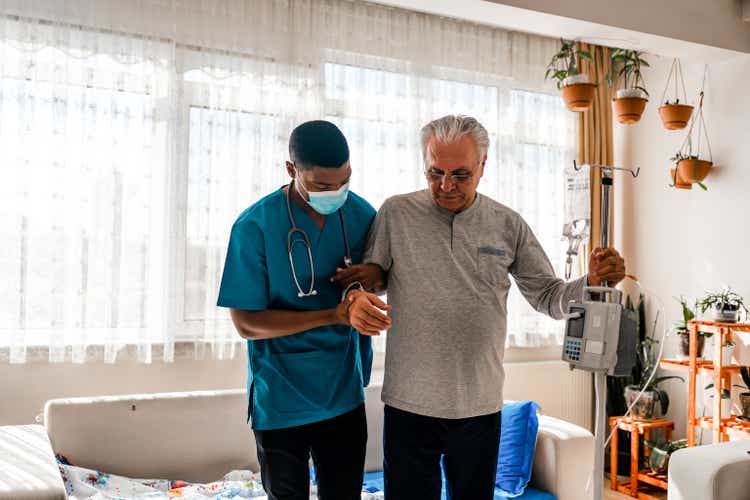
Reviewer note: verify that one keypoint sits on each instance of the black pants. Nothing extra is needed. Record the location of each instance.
(414, 445)
(337, 447)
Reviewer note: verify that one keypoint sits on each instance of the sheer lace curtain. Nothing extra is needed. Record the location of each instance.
(133, 133)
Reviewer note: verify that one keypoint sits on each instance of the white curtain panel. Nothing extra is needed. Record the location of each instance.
(133, 133)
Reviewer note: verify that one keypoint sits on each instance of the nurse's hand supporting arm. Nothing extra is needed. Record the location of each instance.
(371, 276)
(273, 323)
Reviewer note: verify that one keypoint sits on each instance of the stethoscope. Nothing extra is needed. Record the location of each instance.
(290, 242)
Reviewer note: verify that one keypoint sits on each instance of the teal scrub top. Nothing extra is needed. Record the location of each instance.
(317, 374)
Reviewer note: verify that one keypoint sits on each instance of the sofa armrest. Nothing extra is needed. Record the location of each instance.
(564, 460)
(715, 472)
(28, 469)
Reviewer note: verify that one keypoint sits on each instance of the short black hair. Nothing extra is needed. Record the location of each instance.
(318, 143)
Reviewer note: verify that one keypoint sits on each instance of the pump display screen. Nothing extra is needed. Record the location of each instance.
(575, 325)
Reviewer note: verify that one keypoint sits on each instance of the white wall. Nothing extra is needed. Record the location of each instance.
(25, 388)
(686, 242)
(716, 23)
(701, 30)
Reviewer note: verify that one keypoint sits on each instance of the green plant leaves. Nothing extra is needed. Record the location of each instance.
(626, 64)
(659, 380)
(564, 63)
(725, 393)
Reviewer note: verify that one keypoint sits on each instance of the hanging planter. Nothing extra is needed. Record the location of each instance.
(629, 101)
(675, 115)
(691, 166)
(692, 171)
(576, 89)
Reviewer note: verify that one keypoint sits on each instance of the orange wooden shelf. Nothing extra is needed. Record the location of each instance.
(701, 366)
(630, 424)
(720, 328)
(639, 478)
(733, 423)
(658, 480)
(722, 379)
(708, 422)
(642, 494)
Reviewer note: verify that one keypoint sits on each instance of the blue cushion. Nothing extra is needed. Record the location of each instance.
(517, 446)
(374, 482)
(529, 494)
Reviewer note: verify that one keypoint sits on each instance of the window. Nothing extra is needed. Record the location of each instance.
(87, 158)
(531, 141)
(132, 152)
(237, 152)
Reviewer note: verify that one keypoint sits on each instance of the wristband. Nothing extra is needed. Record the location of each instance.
(355, 285)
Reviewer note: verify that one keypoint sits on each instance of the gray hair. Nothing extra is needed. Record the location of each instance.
(453, 128)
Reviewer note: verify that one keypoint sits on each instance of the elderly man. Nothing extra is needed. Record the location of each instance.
(448, 252)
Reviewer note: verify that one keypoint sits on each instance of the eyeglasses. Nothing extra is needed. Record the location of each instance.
(437, 176)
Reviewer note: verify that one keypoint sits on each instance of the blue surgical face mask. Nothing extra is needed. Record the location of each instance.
(327, 202)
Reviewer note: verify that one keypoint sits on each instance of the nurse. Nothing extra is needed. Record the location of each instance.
(306, 365)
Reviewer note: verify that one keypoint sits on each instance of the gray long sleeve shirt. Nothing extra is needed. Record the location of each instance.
(448, 282)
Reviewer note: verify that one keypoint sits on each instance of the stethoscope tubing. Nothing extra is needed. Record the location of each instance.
(305, 241)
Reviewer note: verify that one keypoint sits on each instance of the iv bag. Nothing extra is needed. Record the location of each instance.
(577, 197)
(577, 224)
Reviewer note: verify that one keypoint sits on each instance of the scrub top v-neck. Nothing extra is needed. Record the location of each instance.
(317, 374)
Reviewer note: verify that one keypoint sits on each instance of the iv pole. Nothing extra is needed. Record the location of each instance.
(600, 377)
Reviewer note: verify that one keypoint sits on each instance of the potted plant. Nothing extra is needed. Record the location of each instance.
(726, 400)
(689, 169)
(681, 327)
(745, 396)
(646, 408)
(658, 459)
(727, 350)
(577, 91)
(630, 100)
(675, 115)
(725, 305)
(690, 164)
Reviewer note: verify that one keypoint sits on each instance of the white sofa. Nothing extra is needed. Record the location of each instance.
(199, 436)
(714, 472)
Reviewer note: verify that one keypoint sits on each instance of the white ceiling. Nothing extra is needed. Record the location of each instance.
(674, 28)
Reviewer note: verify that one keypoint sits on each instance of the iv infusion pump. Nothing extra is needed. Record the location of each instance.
(601, 335)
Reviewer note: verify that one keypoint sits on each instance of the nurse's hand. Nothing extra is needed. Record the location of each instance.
(366, 313)
(371, 276)
(341, 314)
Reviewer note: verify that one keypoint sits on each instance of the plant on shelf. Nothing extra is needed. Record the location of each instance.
(727, 350)
(745, 396)
(725, 305)
(726, 400)
(681, 327)
(691, 164)
(660, 451)
(630, 100)
(577, 91)
(675, 115)
(645, 408)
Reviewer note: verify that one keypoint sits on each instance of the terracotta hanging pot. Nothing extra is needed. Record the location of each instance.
(677, 181)
(629, 105)
(675, 116)
(579, 96)
(693, 170)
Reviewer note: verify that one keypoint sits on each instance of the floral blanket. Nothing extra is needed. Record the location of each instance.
(82, 483)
